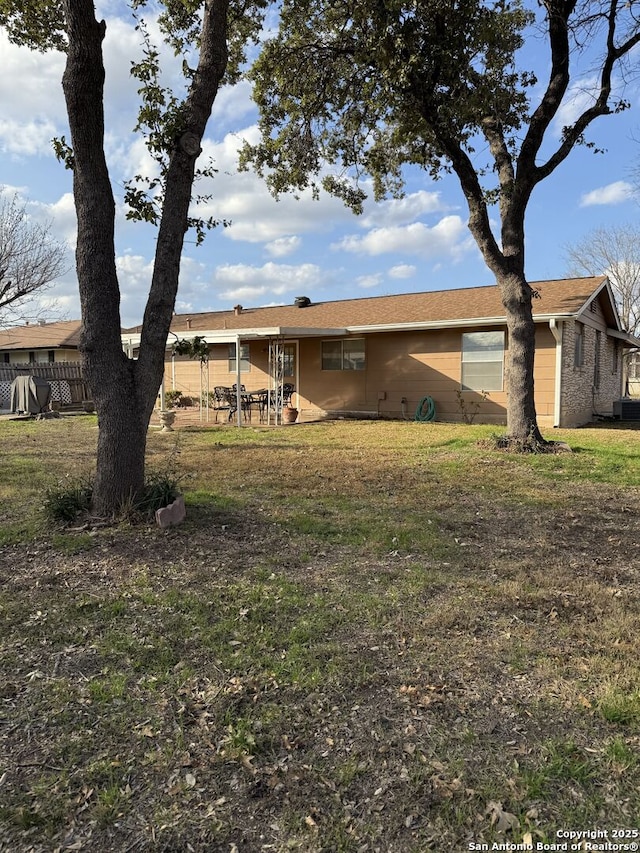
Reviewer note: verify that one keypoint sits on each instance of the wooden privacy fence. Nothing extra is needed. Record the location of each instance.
(67, 383)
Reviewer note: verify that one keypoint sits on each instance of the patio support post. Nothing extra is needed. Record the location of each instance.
(238, 383)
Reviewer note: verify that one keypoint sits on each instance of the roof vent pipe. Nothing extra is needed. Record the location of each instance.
(302, 301)
(237, 309)
(188, 322)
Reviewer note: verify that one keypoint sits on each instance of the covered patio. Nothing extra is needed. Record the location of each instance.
(280, 374)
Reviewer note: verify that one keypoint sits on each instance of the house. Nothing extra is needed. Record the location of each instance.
(380, 356)
(40, 343)
(47, 350)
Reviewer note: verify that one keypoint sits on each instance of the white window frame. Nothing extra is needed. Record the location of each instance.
(245, 359)
(479, 348)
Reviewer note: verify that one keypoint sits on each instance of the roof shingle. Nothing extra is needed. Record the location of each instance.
(65, 333)
(564, 296)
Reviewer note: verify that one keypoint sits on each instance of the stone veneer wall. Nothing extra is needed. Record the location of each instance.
(580, 400)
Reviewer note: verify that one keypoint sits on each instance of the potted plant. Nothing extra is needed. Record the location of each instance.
(167, 417)
(172, 398)
(289, 415)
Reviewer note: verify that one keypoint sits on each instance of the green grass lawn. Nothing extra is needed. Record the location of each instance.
(367, 636)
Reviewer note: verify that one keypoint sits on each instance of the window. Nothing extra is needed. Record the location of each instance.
(245, 363)
(596, 360)
(6, 357)
(51, 356)
(289, 360)
(482, 361)
(578, 356)
(347, 354)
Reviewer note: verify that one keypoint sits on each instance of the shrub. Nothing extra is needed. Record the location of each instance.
(173, 398)
(159, 490)
(68, 499)
(469, 409)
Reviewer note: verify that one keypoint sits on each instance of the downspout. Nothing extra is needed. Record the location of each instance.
(556, 331)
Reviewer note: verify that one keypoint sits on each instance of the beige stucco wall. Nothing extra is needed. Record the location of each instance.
(185, 374)
(545, 376)
(399, 366)
(403, 367)
(41, 355)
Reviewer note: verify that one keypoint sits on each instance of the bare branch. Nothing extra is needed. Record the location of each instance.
(30, 258)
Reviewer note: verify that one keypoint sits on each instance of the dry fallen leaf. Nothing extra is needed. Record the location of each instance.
(502, 821)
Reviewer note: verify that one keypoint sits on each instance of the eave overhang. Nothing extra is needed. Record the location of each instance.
(221, 336)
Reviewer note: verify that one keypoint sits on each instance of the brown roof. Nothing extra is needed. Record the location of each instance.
(561, 297)
(65, 333)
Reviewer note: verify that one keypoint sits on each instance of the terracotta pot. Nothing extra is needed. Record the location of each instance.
(289, 415)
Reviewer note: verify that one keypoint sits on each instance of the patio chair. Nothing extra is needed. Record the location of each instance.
(231, 396)
(287, 391)
(260, 400)
(220, 400)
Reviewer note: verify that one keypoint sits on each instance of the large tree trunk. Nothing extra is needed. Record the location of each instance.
(122, 438)
(522, 422)
(125, 390)
(123, 418)
(109, 373)
(506, 261)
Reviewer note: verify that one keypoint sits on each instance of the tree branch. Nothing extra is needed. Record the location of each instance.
(178, 187)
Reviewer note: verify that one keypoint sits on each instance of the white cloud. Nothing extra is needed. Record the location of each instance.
(367, 281)
(402, 271)
(615, 193)
(579, 97)
(60, 214)
(402, 211)
(27, 138)
(120, 48)
(134, 270)
(243, 198)
(449, 237)
(233, 104)
(30, 103)
(283, 246)
(249, 283)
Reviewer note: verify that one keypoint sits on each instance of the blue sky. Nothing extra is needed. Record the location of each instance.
(277, 250)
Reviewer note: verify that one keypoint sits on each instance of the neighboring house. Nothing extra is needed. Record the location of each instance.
(48, 350)
(380, 356)
(40, 343)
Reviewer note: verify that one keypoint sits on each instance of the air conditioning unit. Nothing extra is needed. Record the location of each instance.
(626, 409)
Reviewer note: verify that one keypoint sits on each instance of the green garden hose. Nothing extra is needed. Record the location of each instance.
(426, 410)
